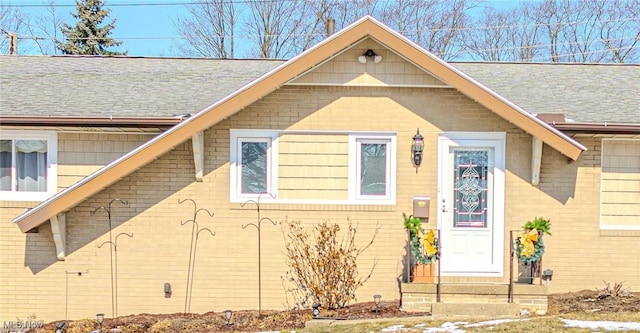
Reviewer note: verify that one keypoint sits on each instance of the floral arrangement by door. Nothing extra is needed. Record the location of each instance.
(529, 246)
(424, 250)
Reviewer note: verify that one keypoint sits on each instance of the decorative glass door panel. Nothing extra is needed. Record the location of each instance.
(471, 176)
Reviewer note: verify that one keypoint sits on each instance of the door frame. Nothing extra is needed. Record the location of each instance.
(445, 139)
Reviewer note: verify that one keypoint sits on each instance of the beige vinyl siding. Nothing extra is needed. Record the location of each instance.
(620, 184)
(313, 167)
(345, 69)
(80, 154)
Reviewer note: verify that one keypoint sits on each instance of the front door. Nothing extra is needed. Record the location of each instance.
(471, 203)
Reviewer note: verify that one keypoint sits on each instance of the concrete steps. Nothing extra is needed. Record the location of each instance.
(459, 311)
(465, 300)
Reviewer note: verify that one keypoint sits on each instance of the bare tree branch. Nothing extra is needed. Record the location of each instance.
(12, 21)
(210, 29)
(44, 29)
(620, 30)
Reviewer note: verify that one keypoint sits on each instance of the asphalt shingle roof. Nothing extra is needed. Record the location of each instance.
(166, 87)
(120, 87)
(585, 93)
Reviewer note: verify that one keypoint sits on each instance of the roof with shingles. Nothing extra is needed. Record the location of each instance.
(167, 87)
(585, 93)
(119, 86)
(367, 27)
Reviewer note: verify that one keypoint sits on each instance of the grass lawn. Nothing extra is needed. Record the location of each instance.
(532, 324)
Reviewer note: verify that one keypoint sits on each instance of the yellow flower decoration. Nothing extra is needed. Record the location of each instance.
(527, 240)
(427, 242)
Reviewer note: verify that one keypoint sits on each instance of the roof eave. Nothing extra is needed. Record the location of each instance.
(598, 128)
(90, 121)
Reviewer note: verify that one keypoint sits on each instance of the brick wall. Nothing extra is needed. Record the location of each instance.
(227, 265)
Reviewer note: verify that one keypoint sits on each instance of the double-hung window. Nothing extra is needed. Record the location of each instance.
(27, 165)
(372, 168)
(254, 164)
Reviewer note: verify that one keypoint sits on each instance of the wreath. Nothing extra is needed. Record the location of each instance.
(529, 247)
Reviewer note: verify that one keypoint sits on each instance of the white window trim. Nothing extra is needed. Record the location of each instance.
(52, 164)
(354, 169)
(234, 168)
(239, 136)
(611, 226)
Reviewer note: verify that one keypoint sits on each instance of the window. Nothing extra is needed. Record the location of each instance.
(27, 165)
(311, 167)
(254, 168)
(374, 168)
(620, 185)
(253, 164)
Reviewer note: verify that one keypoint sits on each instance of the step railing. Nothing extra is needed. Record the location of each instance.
(410, 262)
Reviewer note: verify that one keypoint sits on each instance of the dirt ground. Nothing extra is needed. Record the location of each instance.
(251, 321)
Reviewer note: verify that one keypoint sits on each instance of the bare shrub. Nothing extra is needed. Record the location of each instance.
(618, 290)
(322, 267)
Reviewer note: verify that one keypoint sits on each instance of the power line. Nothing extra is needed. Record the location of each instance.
(548, 58)
(468, 51)
(407, 33)
(137, 4)
(538, 46)
(248, 36)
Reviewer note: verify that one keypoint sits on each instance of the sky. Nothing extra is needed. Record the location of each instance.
(146, 27)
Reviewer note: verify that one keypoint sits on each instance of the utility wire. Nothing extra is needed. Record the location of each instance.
(477, 52)
(139, 4)
(548, 58)
(248, 36)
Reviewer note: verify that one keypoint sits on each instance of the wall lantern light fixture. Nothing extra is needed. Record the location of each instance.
(416, 148)
(369, 54)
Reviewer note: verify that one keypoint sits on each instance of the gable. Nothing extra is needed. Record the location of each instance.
(393, 70)
(287, 72)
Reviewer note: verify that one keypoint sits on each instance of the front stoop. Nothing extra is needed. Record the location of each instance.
(473, 300)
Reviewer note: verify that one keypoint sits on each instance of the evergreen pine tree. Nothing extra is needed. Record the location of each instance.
(87, 37)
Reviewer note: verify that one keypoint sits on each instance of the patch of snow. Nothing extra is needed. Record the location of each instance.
(458, 327)
(605, 325)
(493, 322)
(394, 328)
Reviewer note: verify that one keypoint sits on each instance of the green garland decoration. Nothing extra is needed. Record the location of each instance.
(535, 257)
(419, 255)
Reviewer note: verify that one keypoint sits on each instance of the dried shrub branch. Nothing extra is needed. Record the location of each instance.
(322, 266)
(618, 290)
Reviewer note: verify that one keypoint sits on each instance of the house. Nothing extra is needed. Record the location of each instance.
(129, 152)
